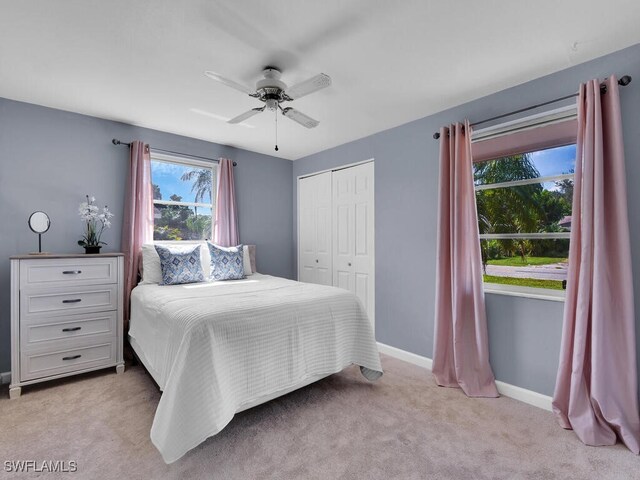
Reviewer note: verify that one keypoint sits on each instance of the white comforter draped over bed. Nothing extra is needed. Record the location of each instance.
(219, 346)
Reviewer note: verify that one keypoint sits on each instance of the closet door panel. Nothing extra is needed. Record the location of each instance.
(353, 255)
(314, 222)
(306, 224)
(343, 229)
(336, 222)
(323, 228)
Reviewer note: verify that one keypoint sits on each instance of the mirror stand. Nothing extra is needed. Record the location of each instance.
(39, 223)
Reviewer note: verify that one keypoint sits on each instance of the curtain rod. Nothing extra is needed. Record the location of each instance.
(623, 82)
(117, 142)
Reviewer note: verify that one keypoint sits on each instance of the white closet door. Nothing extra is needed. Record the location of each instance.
(314, 223)
(353, 233)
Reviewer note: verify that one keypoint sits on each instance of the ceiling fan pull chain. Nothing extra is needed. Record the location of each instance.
(276, 112)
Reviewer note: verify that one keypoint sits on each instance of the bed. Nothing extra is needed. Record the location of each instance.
(218, 348)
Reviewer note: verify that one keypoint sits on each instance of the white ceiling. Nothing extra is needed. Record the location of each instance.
(142, 61)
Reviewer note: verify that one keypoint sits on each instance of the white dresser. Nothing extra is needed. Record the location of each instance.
(66, 316)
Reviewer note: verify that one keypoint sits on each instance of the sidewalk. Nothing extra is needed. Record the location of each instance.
(553, 271)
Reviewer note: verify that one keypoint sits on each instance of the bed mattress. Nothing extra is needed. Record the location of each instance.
(215, 348)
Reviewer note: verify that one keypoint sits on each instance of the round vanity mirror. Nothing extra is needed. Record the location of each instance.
(39, 223)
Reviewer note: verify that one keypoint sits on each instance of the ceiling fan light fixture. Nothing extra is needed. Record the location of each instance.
(272, 104)
(270, 84)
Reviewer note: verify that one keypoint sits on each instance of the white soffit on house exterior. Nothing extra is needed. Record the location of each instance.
(142, 61)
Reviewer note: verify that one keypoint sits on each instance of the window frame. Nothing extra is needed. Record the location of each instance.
(558, 116)
(190, 162)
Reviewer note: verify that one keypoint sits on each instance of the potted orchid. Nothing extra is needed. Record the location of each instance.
(97, 220)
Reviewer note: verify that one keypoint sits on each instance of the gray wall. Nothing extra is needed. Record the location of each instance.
(524, 334)
(49, 159)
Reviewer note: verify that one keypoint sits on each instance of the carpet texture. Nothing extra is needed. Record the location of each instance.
(343, 427)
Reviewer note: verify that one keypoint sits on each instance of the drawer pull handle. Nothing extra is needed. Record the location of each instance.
(72, 329)
(72, 357)
(74, 300)
(72, 272)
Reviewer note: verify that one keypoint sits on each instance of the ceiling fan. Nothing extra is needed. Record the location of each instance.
(273, 92)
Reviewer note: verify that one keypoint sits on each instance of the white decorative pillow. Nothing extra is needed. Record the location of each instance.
(252, 257)
(151, 270)
(246, 260)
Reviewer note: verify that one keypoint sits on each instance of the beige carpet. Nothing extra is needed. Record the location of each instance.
(402, 427)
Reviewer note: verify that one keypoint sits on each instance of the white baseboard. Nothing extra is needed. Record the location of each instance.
(409, 357)
(527, 396)
(5, 377)
(512, 391)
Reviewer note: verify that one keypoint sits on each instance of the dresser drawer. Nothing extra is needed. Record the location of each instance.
(68, 271)
(63, 329)
(65, 301)
(44, 364)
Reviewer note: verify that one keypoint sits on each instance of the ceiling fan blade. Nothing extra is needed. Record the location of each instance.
(300, 117)
(243, 116)
(216, 116)
(229, 83)
(310, 85)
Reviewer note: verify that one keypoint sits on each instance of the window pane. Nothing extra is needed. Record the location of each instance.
(543, 207)
(174, 181)
(177, 222)
(528, 263)
(543, 163)
(534, 208)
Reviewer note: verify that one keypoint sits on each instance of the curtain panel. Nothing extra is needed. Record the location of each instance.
(596, 386)
(225, 232)
(461, 351)
(137, 226)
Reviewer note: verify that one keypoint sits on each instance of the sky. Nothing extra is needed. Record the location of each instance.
(167, 177)
(555, 161)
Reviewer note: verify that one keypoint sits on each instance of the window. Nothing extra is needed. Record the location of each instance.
(524, 205)
(182, 198)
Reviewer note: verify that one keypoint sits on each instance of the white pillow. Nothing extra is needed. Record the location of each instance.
(246, 260)
(151, 270)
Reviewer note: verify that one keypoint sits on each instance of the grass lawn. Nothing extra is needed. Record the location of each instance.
(524, 282)
(517, 261)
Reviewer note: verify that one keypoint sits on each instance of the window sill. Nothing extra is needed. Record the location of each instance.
(525, 292)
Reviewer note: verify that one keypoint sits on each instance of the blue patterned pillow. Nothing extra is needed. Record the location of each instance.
(180, 264)
(226, 262)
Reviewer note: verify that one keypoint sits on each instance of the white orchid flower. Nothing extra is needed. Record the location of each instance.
(92, 214)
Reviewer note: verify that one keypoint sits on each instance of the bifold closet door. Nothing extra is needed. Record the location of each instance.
(353, 233)
(314, 223)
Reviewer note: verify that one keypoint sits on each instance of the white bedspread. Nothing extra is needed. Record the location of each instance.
(218, 346)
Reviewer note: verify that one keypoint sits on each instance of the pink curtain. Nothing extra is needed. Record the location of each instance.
(461, 351)
(137, 227)
(596, 387)
(225, 232)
